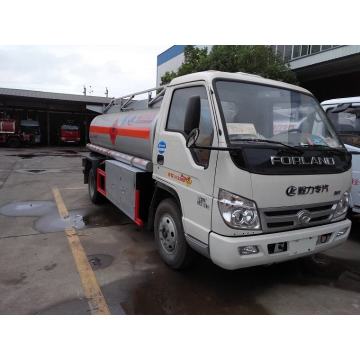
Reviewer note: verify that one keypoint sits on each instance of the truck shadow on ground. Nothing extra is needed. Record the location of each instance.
(211, 290)
(208, 289)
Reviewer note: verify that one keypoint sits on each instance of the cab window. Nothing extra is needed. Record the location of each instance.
(347, 125)
(176, 120)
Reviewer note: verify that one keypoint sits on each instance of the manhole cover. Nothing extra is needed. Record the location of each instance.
(34, 171)
(100, 261)
(40, 171)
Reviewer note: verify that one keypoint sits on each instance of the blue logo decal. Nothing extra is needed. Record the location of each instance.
(317, 140)
(161, 147)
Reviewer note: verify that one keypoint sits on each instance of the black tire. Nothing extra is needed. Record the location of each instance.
(13, 142)
(95, 197)
(169, 236)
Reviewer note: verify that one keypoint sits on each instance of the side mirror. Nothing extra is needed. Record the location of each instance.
(193, 136)
(192, 115)
(340, 108)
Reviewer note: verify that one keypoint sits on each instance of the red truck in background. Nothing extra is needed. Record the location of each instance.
(70, 134)
(12, 135)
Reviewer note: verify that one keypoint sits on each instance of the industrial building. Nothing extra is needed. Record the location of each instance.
(329, 71)
(51, 110)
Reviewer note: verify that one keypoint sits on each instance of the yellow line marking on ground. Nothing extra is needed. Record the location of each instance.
(93, 294)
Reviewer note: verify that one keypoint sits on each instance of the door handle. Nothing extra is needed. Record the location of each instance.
(160, 159)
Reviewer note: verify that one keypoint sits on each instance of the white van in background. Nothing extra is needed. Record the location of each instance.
(344, 113)
(30, 126)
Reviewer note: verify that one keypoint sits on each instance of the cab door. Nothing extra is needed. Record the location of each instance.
(190, 172)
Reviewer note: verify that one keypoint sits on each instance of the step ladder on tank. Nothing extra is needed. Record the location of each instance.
(128, 102)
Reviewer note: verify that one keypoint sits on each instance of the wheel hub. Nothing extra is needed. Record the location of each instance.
(167, 233)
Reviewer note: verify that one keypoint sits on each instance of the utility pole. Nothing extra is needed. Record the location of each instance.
(106, 92)
(84, 91)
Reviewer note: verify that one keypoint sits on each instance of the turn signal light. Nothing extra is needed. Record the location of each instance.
(341, 232)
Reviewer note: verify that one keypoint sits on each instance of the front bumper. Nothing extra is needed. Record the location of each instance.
(224, 250)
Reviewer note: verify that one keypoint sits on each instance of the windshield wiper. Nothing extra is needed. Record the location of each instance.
(325, 147)
(271, 142)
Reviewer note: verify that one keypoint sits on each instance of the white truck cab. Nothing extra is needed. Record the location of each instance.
(241, 169)
(344, 113)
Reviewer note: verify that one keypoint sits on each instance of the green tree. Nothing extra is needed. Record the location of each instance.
(194, 60)
(253, 59)
(168, 76)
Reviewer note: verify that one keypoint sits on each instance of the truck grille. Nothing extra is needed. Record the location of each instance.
(285, 218)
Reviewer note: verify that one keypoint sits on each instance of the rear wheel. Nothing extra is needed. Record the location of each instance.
(13, 142)
(94, 195)
(169, 236)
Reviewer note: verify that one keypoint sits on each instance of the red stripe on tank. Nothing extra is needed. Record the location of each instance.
(129, 131)
(99, 129)
(143, 133)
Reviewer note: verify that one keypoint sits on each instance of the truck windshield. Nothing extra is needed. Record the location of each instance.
(69, 127)
(30, 129)
(262, 114)
(347, 125)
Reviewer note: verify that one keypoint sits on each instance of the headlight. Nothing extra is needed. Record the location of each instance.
(238, 212)
(343, 205)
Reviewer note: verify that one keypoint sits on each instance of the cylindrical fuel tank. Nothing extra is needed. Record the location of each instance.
(130, 132)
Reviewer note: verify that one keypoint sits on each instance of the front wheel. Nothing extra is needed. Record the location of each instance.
(169, 236)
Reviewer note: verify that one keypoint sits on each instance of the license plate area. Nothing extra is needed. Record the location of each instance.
(302, 246)
(277, 247)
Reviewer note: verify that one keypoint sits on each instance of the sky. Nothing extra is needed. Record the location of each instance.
(66, 69)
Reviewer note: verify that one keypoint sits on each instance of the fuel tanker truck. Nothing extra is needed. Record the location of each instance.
(241, 169)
